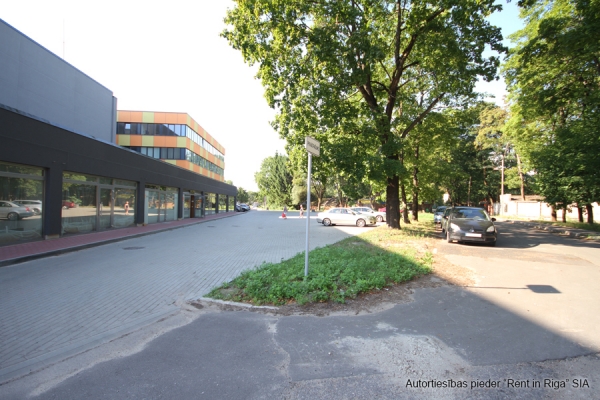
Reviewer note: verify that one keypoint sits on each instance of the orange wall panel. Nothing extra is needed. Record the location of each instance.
(135, 140)
(170, 141)
(135, 116)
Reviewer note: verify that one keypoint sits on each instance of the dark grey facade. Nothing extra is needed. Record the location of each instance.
(57, 148)
(29, 141)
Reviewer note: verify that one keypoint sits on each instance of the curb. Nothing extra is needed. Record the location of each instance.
(233, 303)
(561, 231)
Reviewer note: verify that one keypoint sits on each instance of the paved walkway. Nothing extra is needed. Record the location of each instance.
(63, 302)
(31, 250)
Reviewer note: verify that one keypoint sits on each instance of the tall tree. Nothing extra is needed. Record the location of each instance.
(275, 181)
(359, 75)
(554, 80)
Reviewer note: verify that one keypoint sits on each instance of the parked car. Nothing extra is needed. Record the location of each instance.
(13, 211)
(380, 216)
(242, 207)
(438, 214)
(68, 204)
(345, 216)
(470, 224)
(35, 205)
(445, 219)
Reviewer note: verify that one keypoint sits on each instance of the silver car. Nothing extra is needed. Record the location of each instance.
(35, 205)
(345, 216)
(380, 216)
(438, 214)
(13, 211)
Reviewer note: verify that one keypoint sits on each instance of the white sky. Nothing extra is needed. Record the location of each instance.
(168, 56)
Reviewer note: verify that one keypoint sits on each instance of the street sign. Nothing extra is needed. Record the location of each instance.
(312, 146)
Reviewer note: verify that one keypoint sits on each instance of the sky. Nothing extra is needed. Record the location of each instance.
(168, 56)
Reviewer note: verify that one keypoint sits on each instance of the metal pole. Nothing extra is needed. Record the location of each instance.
(307, 213)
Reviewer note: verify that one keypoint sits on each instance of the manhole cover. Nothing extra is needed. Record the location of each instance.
(133, 248)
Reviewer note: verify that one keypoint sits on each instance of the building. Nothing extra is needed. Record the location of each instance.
(59, 145)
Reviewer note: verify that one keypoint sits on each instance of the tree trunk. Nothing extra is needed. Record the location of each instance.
(580, 213)
(415, 207)
(553, 214)
(415, 199)
(590, 213)
(392, 209)
(405, 211)
(491, 205)
(521, 177)
(564, 214)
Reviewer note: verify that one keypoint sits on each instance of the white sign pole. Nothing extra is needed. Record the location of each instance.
(307, 213)
(313, 147)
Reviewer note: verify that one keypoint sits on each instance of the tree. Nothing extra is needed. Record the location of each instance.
(242, 195)
(359, 75)
(553, 75)
(274, 180)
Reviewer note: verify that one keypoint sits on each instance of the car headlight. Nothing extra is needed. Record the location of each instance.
(455, 227)
(491, 229)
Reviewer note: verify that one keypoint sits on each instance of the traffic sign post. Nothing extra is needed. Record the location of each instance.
(313, 147)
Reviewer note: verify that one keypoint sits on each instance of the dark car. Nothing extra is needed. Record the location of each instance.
(470, 224)
(13, 211)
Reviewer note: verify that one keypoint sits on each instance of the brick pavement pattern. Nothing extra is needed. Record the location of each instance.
(69, 302)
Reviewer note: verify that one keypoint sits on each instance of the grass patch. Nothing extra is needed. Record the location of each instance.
(375, 259)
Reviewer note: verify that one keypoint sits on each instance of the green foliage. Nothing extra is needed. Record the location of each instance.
(359, 76)
(355, 265)
(275, 181)
(242, 195)
(554, 79)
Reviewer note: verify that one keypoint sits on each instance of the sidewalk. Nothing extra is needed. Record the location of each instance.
(561, 230)
(22, 252)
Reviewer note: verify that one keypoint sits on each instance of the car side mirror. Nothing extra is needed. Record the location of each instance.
(493, 219)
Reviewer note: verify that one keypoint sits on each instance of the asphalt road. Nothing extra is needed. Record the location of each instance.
(528, 328)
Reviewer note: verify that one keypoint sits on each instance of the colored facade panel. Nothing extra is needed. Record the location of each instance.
(167, 147)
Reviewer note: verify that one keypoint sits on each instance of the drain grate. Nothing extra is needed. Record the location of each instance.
(134, 248)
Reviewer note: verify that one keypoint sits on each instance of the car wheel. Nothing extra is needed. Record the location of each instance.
(379, 218)
(12, 216)
(448, 239)
(493, 244)
(361, 223)
(37, 211)
(326, 222)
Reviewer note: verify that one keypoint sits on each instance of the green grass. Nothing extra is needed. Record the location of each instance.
(375, 259)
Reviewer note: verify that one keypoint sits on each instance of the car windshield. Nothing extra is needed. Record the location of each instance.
(440, 209)
(470, 214)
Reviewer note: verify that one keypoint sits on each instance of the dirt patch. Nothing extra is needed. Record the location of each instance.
(444, 273)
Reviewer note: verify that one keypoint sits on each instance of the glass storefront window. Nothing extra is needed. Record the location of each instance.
(210, 207)
(78, 208)
(98, 204)
(222, 203)
(161, 204)
(21, 203)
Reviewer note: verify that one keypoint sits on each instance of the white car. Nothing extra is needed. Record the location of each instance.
(345, 216)
(367, 210)
(35, 205)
